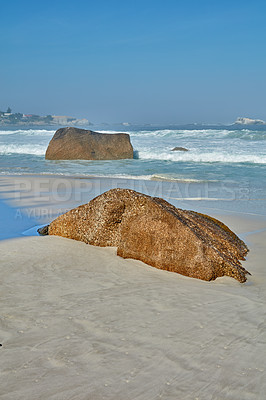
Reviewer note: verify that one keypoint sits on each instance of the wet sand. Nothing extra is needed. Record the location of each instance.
(78, 322)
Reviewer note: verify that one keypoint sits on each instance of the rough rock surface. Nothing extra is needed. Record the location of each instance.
(81, 144)
(44, 230)
(179, 149)
(153, 231)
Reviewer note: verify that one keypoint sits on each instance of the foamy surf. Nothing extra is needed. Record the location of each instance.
(179, 179)
(182, 133)
(28, 132)
(211, 157)
(233, 158)
(36, 150)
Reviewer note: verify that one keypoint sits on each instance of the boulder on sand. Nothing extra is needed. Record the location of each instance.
(153, 231)
(82, 144)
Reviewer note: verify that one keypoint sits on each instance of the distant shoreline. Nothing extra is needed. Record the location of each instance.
(132, 127)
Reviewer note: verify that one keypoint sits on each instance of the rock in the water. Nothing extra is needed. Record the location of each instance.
(43, 231)
(153, 231)
(179, 149)
(82, 144)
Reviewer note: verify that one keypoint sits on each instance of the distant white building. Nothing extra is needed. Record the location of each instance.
(64, 120)
(61, 119)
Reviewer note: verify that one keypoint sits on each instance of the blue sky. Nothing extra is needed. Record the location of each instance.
(138, 61)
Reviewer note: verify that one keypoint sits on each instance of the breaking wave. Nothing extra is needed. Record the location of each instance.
(245, 134)
(36, 150)
(29, 132)
(211, 157)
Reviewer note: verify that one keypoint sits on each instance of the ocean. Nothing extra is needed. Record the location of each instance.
(224, 163)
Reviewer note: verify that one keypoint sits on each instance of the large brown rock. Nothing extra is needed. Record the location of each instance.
(81, 144)
(153, 231)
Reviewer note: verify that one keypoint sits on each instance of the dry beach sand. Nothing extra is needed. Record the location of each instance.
(78, 322)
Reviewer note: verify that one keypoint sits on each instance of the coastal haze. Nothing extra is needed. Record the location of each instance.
(186, 82)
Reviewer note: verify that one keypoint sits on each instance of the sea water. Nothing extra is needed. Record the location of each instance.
(223, 163)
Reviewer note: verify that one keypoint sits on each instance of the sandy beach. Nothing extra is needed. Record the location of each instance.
(78, 322)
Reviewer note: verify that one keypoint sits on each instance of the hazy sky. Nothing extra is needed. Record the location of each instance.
(160, 61)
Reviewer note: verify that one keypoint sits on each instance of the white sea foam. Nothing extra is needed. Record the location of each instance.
(168, 177)
(183, 132)
(28, 132)
(40, 132)
(37, 150)
(156, 177)
(123, 176)
(8, 132)
(203, 157)
(190, 136)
